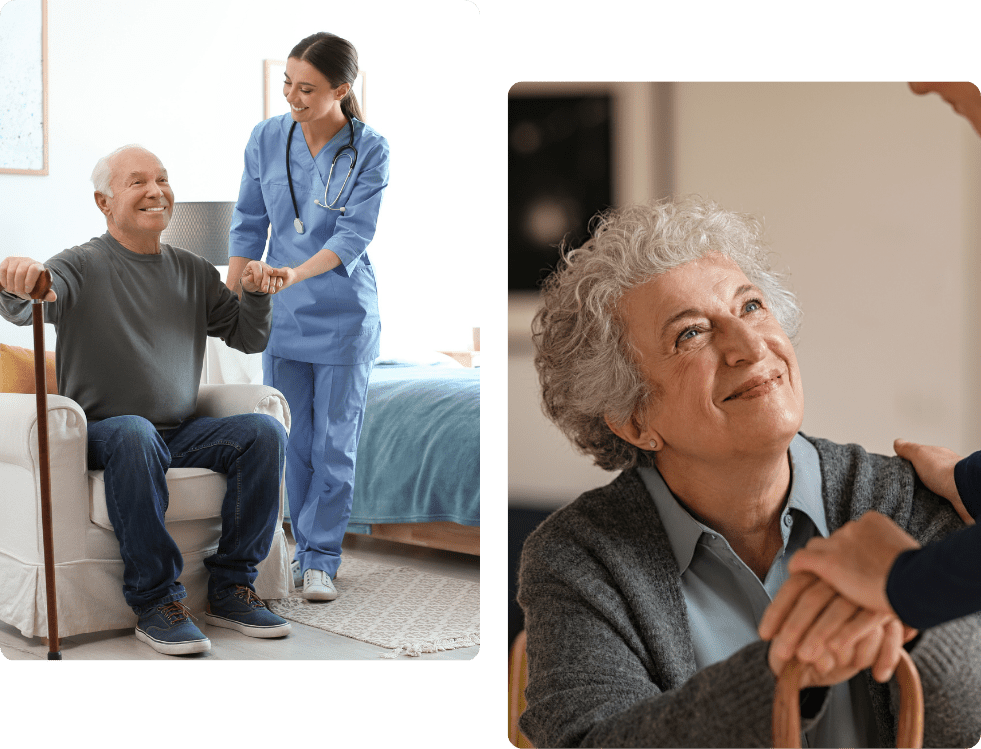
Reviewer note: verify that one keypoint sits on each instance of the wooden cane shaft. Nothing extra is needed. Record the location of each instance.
(40, 388)
(786, 705)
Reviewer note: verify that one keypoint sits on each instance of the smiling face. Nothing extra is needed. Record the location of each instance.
(142, 200)
(309, 93)
(722, 371)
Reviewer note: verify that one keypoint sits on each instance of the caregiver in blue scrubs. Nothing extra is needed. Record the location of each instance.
(325, 329)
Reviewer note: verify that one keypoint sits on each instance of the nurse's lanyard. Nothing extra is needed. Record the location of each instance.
(297, 224)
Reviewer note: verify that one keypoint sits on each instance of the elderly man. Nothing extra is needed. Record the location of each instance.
(132, 316)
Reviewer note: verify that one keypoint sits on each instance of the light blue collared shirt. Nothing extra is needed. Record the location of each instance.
(726, 600)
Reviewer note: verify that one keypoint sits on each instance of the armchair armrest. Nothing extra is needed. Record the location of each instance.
(230, 399)
(20, 471)
(18, 425)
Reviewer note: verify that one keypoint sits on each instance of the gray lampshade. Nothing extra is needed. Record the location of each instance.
(201, 228)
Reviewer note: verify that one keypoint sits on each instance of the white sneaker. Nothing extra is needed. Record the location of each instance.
(317, 586)
(297, 574)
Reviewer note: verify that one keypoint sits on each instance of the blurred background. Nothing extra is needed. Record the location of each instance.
(869, 194)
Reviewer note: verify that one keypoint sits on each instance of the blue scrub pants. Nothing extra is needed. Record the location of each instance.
(327, 403)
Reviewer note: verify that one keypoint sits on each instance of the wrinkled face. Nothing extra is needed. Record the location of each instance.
(142, 200)
(723, 371)
(308, 92)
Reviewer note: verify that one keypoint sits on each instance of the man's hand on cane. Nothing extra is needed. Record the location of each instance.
(19, 275)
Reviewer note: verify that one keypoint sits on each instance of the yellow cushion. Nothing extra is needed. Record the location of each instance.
(17, 370)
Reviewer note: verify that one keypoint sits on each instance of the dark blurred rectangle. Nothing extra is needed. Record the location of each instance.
(559, 177)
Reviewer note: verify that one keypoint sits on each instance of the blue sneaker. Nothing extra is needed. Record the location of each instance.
(245, 611)
(168, 629)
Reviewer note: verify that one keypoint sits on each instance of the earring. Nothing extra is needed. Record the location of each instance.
(653, 444)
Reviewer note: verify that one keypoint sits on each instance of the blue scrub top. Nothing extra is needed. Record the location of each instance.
(331, 318)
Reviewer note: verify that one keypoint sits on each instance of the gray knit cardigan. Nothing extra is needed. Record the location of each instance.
(610, 654)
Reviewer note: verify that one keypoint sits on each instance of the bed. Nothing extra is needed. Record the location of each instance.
(418, 470)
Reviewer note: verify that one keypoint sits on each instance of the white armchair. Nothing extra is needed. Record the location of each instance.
(88, 568)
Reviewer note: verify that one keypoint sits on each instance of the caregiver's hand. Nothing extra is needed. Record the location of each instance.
(855, 560)
(260, 277)
(964, 97)
(935, 467)
(838, 639)
(287, 277)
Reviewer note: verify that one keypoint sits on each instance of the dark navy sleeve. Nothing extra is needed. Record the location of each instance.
(939, 582)
(967, 476)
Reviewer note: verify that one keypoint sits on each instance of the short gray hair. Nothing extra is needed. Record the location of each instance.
(586, 367)
(102, 173)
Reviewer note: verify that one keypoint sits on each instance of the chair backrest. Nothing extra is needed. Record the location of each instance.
(517, 681)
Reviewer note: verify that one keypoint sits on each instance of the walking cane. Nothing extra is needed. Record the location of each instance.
(41, 288)
(786, 705)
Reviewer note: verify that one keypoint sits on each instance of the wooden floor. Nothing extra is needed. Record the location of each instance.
(303, 643)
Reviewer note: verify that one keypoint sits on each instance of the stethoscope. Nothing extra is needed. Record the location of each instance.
(297, 224)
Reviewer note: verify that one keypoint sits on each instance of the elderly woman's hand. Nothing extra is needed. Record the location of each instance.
(834, 636)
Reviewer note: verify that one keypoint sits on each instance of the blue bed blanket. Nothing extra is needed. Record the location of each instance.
(419, 454)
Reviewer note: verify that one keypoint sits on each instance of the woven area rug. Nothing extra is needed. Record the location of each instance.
(399, 608)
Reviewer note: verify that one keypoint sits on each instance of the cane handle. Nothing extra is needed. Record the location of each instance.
(786, 705)
(41, 287)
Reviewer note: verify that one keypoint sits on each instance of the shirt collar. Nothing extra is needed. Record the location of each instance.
(684, 531)
(805, 486)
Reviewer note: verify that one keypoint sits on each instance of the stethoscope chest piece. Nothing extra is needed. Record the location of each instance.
(353, 159)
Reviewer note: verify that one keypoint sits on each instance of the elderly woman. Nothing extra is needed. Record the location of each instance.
(664, 351)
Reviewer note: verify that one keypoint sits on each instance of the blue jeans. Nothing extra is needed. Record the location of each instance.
(327, 404)
(248, 448)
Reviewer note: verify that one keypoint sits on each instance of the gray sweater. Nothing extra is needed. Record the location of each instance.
(132, 328)
(610, 654)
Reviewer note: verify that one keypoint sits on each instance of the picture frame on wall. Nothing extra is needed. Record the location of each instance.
(274, 102)
(24, 87)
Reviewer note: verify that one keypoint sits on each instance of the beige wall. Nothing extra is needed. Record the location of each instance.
(869, 195)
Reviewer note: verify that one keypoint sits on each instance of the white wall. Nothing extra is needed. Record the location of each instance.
(870, 196)
(185, 79)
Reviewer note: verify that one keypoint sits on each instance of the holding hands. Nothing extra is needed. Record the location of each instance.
(834, 637)
(833, 613)
(856, 560)
(260, 277)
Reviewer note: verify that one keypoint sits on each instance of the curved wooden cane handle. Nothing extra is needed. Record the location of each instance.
(786, 705)
(41, 287)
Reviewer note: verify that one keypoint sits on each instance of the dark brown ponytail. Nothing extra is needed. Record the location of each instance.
(337, 61)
